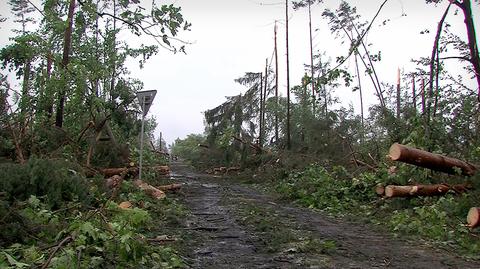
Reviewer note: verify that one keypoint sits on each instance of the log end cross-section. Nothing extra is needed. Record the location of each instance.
(473, 217)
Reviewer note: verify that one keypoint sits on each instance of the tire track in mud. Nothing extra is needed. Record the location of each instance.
(221, 238)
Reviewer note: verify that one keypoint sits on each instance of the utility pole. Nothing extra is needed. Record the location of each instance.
(311, 53)
(276, 85)
(288, 79)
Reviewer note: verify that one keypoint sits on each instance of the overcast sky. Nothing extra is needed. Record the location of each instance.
(231, 37)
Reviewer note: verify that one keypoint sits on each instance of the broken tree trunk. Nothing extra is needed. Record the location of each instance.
(170, 187)
(423, 190)
(256, 147)
(437, 162)
(473, 217)
(149, 189)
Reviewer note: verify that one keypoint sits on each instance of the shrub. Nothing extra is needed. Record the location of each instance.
(57, 180)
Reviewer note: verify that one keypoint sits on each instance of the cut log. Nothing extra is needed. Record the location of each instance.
(149, 189)
(162, 169)
(380, 190)
(437, 162)
(114, 181)
(473, 217)
(232, 169)
(170, 187)
(125, 205)
(423, 190)
(219, 170)
(109, 172)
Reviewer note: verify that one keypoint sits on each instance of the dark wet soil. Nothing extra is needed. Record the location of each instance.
(232, 225)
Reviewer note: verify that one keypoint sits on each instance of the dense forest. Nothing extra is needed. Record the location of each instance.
(69, 113)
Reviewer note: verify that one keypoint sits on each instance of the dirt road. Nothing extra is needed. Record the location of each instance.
(231, 225)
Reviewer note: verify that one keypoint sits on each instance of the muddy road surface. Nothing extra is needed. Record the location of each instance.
(232, 225)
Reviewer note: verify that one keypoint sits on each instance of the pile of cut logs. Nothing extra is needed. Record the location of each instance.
(115, 176)
(436, 162)
(222, 170)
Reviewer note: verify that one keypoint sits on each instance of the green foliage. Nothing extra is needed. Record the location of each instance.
(438, 219)
(334, 192)
(58, 180)
(102, 237)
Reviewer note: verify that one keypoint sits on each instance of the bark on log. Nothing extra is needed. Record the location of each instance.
(149, 189)
(232, 169)
(110, 172)
(162, 169)
(170, 187)
(473, 217)
(423, 190)
(429, 160)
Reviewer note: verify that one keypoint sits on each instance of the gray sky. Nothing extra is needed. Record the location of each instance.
(231, 37)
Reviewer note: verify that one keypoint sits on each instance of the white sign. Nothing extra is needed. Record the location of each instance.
(145, 98)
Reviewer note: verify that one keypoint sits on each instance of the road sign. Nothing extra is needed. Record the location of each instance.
(145, 98)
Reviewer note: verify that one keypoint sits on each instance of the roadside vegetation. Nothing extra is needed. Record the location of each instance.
(68, 109)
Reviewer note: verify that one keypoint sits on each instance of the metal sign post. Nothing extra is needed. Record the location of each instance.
(145, 98)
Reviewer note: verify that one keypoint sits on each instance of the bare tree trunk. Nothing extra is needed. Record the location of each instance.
(432, 67)
(466, 7)
(65, 60)
(398, 94)
(373, 75)
(264, 98)
(25, 86)
(260, 106)
(423, 96)
(311, 55)
(360, 91)
(377, 85)
(114, 68)
(414, 96)
(49, 75)
(288, 78)
(437, 87)
(276, 85)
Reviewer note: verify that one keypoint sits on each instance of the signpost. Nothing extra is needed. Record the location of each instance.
(145, 98)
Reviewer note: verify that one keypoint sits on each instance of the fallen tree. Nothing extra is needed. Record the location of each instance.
(424, 190)
(170, 187)
(132, 171)
(149, 189)
(437, 162)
